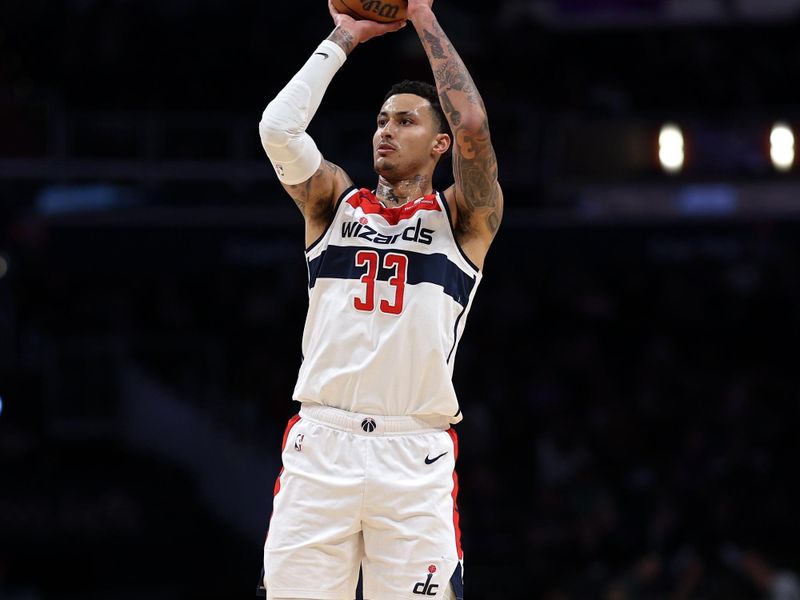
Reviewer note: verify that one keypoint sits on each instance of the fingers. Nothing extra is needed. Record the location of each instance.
(384, 28)
(362, 29)
(392, 27)
(335, 14)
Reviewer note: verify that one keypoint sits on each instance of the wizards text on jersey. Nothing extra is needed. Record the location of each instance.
(413, 233)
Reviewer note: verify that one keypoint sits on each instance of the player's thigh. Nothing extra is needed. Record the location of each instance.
(449, 594)
(314, 543)
(284, 598)
(411, 531)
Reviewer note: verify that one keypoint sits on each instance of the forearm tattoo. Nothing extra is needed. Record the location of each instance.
(474, 160)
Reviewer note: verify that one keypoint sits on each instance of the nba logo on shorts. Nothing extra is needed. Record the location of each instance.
(368, 424)
(298, 442)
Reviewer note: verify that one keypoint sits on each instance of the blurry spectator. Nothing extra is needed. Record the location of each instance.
(772, 582)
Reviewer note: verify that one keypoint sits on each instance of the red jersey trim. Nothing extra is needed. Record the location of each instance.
(368, 203)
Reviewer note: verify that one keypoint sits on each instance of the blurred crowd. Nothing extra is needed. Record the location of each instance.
(630, 398)
(635, 408)
(630, 390)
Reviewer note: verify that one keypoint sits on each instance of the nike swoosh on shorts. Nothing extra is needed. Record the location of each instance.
(434, 459)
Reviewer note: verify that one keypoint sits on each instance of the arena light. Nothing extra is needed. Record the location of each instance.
(671, 148)
(781, 146)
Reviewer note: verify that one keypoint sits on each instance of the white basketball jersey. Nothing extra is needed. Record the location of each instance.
(389, 294)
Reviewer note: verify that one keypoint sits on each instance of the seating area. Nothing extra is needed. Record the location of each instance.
(628, 397)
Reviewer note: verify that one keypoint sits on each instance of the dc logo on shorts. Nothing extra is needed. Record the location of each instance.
(368, 425)
(426, 588)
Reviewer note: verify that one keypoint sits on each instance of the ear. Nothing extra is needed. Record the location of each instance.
(441, 143)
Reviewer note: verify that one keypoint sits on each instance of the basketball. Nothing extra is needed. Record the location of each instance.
(382, 11)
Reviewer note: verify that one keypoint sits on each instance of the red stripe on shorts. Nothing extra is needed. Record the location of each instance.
(277, 488)
(289, 425)
(454, 437)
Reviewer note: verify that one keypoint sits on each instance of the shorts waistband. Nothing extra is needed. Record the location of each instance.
(371, 424)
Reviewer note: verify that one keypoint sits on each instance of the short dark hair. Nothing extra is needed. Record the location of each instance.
(425, 90)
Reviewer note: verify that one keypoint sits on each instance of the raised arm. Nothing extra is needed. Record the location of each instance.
(313, 182)
(477, 195)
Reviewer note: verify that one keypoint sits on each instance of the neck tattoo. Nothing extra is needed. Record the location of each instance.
(403, 191)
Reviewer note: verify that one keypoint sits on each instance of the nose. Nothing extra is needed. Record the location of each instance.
(387, 131)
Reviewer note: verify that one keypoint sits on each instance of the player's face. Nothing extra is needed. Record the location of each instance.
(406, 137)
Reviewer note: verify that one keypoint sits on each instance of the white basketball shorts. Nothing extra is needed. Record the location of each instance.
(369, 492)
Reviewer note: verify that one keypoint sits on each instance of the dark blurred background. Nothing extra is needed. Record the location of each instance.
(629, 374)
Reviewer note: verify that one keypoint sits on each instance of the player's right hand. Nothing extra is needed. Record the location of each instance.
(418, 8)
(362, 29)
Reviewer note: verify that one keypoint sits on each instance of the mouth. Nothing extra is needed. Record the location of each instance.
(384, 149)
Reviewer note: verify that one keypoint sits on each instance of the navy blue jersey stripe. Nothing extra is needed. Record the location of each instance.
(339, 262)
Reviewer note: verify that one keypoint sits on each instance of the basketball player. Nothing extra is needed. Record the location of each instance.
(368, 481)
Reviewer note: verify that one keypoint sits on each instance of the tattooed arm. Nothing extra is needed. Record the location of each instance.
(316, 195)
(477, 193)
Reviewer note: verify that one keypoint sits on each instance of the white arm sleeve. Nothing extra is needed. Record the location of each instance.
(292, 152)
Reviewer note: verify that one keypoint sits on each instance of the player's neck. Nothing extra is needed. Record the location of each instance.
(398, 193)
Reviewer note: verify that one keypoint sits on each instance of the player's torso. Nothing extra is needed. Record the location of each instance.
(389, 293)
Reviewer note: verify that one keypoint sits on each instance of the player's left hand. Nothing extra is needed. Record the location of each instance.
(362, 29)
